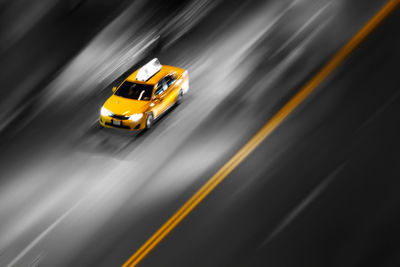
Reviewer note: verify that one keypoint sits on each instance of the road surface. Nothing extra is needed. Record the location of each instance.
(321, 190)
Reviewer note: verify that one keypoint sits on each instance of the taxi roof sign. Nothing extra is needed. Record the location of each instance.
(148, 70)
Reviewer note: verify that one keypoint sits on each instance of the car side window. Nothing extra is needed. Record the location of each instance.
(170, 79)
(160, 87)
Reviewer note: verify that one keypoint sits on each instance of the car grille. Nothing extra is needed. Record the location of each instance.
(120, 117)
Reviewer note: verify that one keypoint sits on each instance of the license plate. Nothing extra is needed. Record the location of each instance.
(117, 123)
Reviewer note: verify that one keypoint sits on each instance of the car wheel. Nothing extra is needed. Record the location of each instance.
(149, 121)
(179, 98)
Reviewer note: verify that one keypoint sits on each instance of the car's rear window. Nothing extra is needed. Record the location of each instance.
(135, 91)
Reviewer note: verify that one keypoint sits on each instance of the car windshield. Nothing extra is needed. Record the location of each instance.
(135, 91)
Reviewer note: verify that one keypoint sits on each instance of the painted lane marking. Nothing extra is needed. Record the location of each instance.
(261, 135)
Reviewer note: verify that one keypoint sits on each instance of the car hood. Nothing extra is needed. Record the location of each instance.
(125, 106)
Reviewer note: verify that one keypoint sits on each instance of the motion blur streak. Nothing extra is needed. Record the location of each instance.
(74, 194)
(303, 204)
(267, 129)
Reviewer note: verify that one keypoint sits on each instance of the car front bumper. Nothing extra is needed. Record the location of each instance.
(129, 125)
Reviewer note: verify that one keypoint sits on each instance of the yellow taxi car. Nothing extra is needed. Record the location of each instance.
(144, 96)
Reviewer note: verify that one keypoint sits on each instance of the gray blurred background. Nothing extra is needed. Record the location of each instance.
(322, 190)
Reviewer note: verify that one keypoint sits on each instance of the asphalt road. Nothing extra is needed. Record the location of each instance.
(320, 191)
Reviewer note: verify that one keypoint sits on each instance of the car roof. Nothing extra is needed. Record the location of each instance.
(165, 70)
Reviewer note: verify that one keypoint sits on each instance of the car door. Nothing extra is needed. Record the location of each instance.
(159, 100)
(172, 90)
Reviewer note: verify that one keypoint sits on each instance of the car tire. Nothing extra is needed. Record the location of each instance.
(179, 98)
(149, 121)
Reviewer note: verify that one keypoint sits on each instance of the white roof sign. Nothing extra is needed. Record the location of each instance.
(148, 70)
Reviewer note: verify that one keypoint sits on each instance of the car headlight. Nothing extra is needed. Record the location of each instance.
(105, 112)
(136, 117)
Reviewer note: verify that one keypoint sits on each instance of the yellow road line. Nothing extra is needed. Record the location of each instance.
(263, 133)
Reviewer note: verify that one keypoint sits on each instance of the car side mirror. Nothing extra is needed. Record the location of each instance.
(157, 97)
(114, 89)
